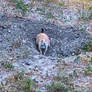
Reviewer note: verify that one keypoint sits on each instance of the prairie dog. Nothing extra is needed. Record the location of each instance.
(42, 42)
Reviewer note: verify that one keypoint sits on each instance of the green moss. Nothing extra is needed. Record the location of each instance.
(91, 58)
(90, 12)
(88, 71)
(7, 65)
(87, 46)
(61, 3)
(47, 1)
(21, 5)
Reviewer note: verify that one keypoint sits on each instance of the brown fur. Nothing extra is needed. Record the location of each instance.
(42, 38)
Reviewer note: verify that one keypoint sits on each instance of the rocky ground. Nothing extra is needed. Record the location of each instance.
(64, 61)
(18, 46)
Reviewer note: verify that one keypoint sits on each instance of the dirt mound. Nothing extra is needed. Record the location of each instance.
(64, 40)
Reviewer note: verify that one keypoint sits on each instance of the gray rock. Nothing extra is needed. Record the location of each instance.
(27, 63)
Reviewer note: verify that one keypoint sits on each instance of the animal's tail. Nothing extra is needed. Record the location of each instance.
(42, 30)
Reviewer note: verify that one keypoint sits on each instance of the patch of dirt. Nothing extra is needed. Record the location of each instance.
(17, 41)
(64, 40)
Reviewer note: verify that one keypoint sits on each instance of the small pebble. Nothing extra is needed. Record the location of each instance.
(73, 54)
(35, 80)
(76, 60)
(9, 31)
(28, 63)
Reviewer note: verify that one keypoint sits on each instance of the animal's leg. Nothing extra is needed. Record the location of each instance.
(46, 49)
(49, 45)
(40, 51)
(40, 48)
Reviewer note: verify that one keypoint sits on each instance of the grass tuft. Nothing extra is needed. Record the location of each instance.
(87, 46)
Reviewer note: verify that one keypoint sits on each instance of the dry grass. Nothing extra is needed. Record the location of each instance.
(18, 83)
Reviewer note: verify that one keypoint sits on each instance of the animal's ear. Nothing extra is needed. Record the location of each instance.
(42, 30)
